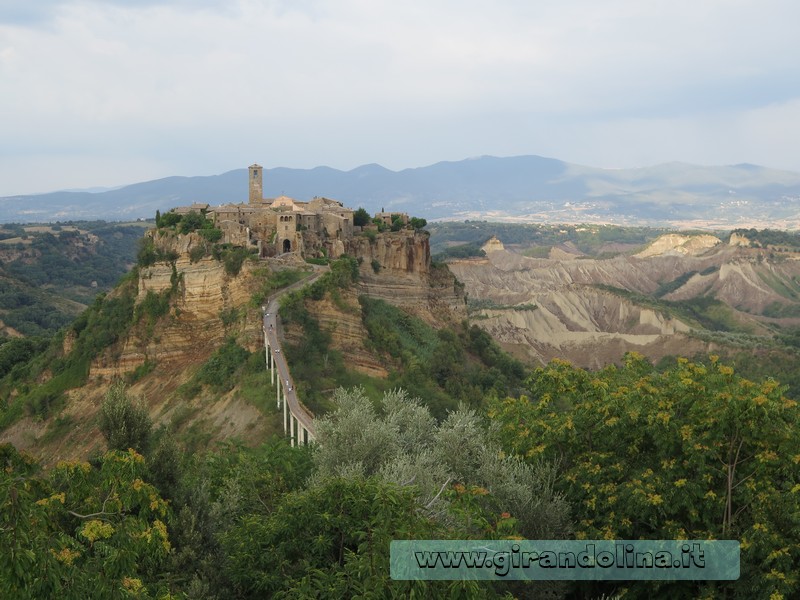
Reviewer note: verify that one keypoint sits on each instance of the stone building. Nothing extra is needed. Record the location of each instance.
(388, 217)
(279, 225)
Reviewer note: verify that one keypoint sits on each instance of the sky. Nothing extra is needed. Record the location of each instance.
(110, 92)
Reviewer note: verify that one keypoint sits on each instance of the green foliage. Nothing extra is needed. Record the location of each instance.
(153, 306)
(461, 251)
(230, 316)
(212, 235)
(476, 305)
(461, 481)
(124, 423)
(218, 371)
(782, 310)
(170, 219)
(671, 286)
(770, 237)
(693, 452)
(146, 256)
(192, 221)
(149, 254)
(403, 442)
(17, 351)
(198, 252)
(216, 491)
(361, 217)
(417, 222)
(537, 252)
(80, 531)
(232, 257)
(444, 367)
(380, 224)
(273, 281)
(351, 523)
(397, 333)
(376, 266)
(53, 267)
(139, 372)
(704, 311)
(32, 311)
(589, 239)
(97, 328)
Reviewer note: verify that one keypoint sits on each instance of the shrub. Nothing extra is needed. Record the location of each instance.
(233, 259)
(192, 221)
(169, 219)
(146, 256)
(212, 235)
(218, 370)
(197, 253)
(123, 423)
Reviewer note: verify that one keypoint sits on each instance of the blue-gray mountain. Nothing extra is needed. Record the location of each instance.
(529, 187)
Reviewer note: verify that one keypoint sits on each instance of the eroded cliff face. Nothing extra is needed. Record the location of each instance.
(342, 320)
(591, 327)
(396, 267)
(202, 292)
(175, 345)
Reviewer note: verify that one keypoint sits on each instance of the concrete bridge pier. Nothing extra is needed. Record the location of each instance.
(285, 418)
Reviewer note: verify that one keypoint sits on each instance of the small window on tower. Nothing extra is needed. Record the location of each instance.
(255, 174)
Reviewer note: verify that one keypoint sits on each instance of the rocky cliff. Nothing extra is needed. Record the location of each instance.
(202, 291)
(396, 267)
(199, 302)
(205, 305)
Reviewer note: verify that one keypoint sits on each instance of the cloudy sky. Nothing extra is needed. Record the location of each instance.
(108, 92)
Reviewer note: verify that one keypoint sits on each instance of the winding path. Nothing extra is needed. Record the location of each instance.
(298, 422)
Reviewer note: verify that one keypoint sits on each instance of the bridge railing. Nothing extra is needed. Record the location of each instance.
(298, 421)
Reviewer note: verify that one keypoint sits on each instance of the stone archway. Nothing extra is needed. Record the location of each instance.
(287, 246)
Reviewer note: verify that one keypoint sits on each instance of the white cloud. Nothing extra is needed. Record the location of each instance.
(199, 85)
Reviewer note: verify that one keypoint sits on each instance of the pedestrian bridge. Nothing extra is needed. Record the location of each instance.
(298, 422)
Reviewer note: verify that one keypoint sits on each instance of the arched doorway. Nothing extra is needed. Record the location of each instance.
(287, 246)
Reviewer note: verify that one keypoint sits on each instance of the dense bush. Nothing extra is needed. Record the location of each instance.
(124, 423)
(218, 370)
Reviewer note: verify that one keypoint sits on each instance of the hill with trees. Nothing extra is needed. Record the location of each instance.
(158, 468)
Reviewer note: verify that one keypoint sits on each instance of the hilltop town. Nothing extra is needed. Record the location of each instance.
(319, 227)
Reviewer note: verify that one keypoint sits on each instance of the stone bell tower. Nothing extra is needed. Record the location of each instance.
(256, 184)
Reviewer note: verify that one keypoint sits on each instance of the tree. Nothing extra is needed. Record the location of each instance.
(81, 531)
(332, 541)
(417, 223)
(460, 479)
(146, 255)
(694, 452)
(361, 217)
(403, 443)
(193, 221)
(124, 424)
(170, 219)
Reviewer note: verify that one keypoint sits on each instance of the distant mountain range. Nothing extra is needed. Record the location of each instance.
(521, 188)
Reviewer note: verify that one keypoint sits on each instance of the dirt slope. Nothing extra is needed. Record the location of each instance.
(592, 327)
